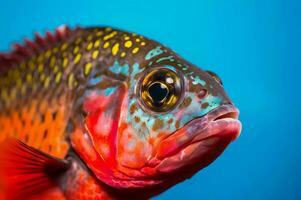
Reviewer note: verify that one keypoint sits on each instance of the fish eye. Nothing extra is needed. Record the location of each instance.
(161, 89)
(215, 76)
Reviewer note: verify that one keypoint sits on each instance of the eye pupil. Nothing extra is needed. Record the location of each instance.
(158, 92)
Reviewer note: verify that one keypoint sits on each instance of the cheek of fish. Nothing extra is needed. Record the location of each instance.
(122, 157)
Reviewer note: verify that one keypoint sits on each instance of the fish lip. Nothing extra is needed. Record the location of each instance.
(221, 121)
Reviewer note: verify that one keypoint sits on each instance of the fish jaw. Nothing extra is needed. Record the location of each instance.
(200, 141)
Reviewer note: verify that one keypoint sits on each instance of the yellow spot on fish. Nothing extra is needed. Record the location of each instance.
(137, 40)
(52, 61)
(47, 54)
(97, 43)
(115, 49)
(19, 83)
(4, 94)
(123, 54)
(77, 58)
(142, 43)
(71, 80)
(90, 45)
(56, 69)
(75, 50)
(87, 69)
(29, 78)
(16, 74)
(55, 50)
(64, 46)
(23, 89)
(134, 34)
(99, 33)
(65, 62)
(108, 29)
(13, 93)
(106, 45)
(40, 58)
(128, 44)
(95, 54)
(46, 82)
(31, 65)
(126, 37)
(40, 67)
(89, 38)
(78, 40)
(42, 78)
(135, 50)
(58, 77)
(109, 36)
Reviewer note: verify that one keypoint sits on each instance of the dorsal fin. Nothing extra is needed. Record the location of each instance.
(31, 48)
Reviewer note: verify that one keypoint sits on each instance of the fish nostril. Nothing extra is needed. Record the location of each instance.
(202, 94)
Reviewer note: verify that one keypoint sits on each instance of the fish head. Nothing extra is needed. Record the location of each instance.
(164, 122)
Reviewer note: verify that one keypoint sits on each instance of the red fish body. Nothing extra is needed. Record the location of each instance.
(100, 113)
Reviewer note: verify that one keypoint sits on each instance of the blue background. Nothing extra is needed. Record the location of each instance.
(254, 45)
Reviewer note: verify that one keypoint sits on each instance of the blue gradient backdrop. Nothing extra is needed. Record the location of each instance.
(254, 45)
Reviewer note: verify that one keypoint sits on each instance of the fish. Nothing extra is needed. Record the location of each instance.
(102, 113)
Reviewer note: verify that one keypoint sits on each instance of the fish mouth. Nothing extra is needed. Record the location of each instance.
(201, 140)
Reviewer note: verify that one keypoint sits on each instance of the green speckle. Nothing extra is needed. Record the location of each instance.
(154, 52)
(197, 80)
(116, 68)
(109, 91)
(164, 58)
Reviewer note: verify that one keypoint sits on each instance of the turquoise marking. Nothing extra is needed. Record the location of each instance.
(170, 67)
(116, 68)
(165, 117)
(164, 58)
(95, 80)
(187, 118)
(144, 118)
(213, 101)
(197, 80)
(136, 69)
(109, 91)
(194, 110)
(154, 52)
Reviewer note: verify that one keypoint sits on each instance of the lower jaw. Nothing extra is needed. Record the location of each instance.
(196, 155)
(180, 166)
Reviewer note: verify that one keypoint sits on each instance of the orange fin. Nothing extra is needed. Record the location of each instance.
(27, 172)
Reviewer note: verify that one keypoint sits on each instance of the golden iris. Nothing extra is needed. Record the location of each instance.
(161, 89)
